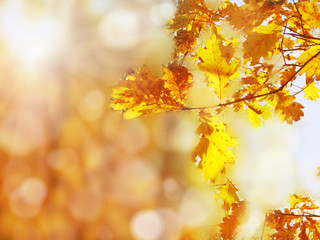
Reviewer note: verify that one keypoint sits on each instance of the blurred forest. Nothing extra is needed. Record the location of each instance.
(71, 168)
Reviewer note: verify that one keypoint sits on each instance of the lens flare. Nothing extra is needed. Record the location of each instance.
(31, 39)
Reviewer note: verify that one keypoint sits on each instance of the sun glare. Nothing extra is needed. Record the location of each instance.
(32, 39)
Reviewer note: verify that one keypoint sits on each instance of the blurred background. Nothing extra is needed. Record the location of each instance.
(71, 168)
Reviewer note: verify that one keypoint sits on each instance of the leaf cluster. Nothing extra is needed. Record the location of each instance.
(295, 222)
(257, 58)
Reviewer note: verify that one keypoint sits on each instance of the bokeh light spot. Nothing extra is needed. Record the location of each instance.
(147, 225)
(85, 205)
(33, 191)
(161, 13)
(91, 107)
(119, 30)
(63, 159)
(172, 189)
(194, 208)
(133, 136)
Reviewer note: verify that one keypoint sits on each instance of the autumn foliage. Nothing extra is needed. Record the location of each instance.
(255, 57)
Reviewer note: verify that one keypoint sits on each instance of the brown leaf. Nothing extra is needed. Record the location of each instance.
(231, 221)
(259, 45)
(288, 109)
(303, 234)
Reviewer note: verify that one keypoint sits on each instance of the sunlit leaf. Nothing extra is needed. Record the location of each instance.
(312, 68)
(215, 66)
(228, 193)
(257, 113)
(230, 222)
(141, 93)
(288, 109)
(259, 45)
(297, 201)
(311, 92)
(214, 148)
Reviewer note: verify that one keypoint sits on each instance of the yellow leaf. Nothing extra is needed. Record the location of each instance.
(257, 113)
(311, 92)
(254, 118)
(214, 148)
(312, 68)
(186, 14)
(268, 29)
(310, 13)
(228, 193)
(297, 201)
(215, 66)
(191, 16)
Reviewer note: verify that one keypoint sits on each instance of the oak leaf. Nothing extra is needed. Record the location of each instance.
(297, 201)
(214, 150)
(141, 93)
(185, 41)
(228, 193)
(285, 227)
(288, 73)
(257, 113)
(311, 61)
(185, 14)
(303, 234)
(216, 67)
(296, 222)
(311, 92)
(232, 220)
(259, 45)
(191, 16)
(251, 14)
(288, 109)
(310, 13)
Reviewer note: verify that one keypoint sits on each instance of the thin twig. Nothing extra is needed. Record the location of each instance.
(300, 17)
(300, 215)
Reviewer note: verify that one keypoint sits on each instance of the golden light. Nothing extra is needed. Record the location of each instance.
(147, 224)
(31, 38)
(121, 29)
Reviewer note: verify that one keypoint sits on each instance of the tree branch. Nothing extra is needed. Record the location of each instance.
(255, 96)
(300, 215)
(300, 17)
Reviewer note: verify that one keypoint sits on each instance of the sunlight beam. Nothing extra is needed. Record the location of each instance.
(32, 39)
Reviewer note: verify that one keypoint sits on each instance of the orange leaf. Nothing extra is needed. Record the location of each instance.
(231, 221)
(140, 93)
(259, 45)
(288, 109)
